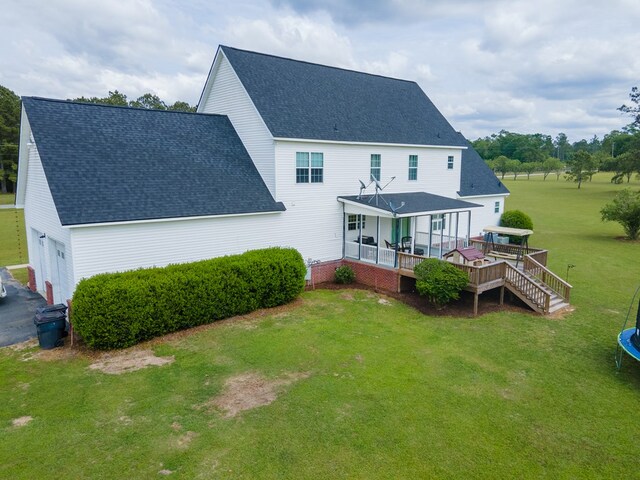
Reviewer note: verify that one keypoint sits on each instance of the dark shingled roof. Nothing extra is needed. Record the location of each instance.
(476, 178)
(309, 101)
(414, 202)
(112, 164)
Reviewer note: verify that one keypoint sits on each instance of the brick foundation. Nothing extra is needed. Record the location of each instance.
(380, 278)
(32, 279)
(49, 292)
(325, 271)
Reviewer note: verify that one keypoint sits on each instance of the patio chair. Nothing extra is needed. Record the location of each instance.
(392, 246)
(406, 244)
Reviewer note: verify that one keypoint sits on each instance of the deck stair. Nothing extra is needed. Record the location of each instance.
(531, 281)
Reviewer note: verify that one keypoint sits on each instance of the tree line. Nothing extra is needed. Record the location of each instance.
(617, 152)
(10, 111)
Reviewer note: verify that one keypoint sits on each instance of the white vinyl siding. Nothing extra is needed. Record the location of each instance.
(41, 217)
(227, 96)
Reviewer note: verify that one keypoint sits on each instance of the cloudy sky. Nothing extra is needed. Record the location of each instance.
(543, 66)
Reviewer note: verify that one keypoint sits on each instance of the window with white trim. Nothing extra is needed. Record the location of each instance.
(413, 167)
(354, 220)
(496, 207)
(309, 167)
(450, 162)
(438, 222)
(376, 163)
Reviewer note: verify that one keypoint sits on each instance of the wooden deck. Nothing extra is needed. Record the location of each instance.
(531, 280)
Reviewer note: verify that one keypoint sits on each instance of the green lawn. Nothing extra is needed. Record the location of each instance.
(13, 245)
(7, 198)
(390, 393)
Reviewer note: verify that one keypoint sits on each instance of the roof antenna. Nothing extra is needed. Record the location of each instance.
(379, 189)
(363, 187)
(394, 210)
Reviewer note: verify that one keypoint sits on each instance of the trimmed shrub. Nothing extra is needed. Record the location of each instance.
(516, 219)
(117, 310)
(439, 281)
(345, 274)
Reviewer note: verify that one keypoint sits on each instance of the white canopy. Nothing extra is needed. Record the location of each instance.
(516, 232)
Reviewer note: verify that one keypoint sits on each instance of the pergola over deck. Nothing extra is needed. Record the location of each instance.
(391, 208)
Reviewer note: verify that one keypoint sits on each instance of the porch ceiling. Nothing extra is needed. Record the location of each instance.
(415, 204)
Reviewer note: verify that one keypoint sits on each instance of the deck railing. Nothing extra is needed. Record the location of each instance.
(368, 253)
(531, 290)
(550, 279)
(481, 274)
(407, 261)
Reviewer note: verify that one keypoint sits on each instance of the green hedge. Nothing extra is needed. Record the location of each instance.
(117, 310)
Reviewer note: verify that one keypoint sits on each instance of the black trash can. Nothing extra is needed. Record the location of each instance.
(51, 322)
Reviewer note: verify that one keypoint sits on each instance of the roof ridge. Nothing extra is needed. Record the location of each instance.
(125, 107)
(350, 70)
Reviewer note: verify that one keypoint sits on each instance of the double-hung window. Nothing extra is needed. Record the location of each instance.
(450, 162)
(353, 222)
(413, 167)
(496, 207)
(309, 167)
(376, 163)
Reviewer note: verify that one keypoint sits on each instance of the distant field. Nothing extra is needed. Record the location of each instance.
(360, 387)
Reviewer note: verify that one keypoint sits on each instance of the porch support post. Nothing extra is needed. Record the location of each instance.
(414, 221)
(442, 217)
(377, 239)
(397, 227)
(457, 221)
(449, 231)
(468, 227)
(344, 233)
(359, 219)
(430, 235)
(501, 294)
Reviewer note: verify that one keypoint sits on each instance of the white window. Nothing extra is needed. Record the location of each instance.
(450, 162)
(413, 167)
(376, 162)
(309, 167)
(438, 222)
(353, 221)
(496, 207)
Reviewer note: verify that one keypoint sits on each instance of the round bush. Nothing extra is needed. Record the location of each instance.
(439, 281)
(516, 219)
(345, 274)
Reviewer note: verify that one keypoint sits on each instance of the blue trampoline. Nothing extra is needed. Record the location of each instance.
(629, 338)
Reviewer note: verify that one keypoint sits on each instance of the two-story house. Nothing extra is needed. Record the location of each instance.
(336, 163)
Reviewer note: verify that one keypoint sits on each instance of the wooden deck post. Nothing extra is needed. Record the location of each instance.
(501, 295)
(475, 304)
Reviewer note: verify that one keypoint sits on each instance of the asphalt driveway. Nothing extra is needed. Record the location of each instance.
(17, 311)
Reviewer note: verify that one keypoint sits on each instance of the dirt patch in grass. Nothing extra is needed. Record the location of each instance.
(21, 421)
(129, 361)
(250, 390)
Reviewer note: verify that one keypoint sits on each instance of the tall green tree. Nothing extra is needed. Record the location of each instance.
(515, 167)
(529, 167)
(148, 100)
(501, 165)
(634, 108)
(581, 167)
(550, 165)
(9, 136)
(625, 209)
